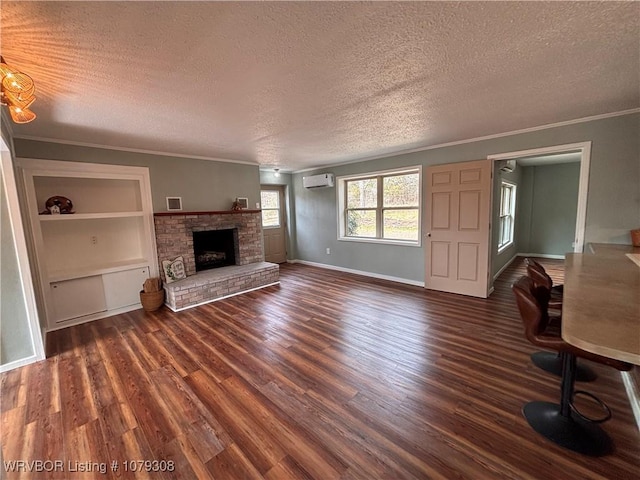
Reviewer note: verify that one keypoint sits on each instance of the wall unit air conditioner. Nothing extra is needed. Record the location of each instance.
(318, 181)
(507, 165)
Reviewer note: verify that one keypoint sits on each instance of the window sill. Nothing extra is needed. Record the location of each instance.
(402, 243)
(505, 247)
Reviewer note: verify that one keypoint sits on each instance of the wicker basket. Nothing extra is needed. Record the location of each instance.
(635, 237)
(151, 301)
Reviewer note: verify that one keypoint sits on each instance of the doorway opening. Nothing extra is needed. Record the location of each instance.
(560, 210)
(579, 152)
(273, 223)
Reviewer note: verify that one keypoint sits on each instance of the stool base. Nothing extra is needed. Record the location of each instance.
(572, 433)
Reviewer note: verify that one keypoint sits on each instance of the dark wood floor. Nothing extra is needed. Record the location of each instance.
(328, 375)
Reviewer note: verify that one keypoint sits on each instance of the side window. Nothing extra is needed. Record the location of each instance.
(270, 202)
(507, 214)
(383, 207)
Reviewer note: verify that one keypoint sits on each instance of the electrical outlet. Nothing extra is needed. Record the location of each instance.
(94, 240)
(257, 205)
(328, 251)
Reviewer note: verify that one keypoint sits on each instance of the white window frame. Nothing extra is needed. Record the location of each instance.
(279, 209)
(341, 205)
(510, 214)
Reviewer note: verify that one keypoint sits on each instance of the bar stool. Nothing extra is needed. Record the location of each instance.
(540, 277)
(547, 361)
(562, 423)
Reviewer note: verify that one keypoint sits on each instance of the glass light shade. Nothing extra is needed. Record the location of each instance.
(16, 91)
(20, 115)
(5, 69)
(18, 84)
(17, 100)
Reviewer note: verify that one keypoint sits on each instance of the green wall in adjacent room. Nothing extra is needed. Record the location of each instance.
(549, 210)
(501, 259)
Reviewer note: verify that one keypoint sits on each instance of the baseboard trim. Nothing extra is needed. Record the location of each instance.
(541, 255)
(19, 363)
(504, 267)
(633, 392)
(379, 276)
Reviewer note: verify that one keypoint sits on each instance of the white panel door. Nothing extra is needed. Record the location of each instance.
(273, 223)
(122, 289)
(457, 219)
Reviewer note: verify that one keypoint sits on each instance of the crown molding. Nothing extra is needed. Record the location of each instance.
(132, 150)
(329, 165)
(478, 139)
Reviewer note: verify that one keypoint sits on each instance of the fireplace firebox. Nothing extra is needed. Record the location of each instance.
(215, 248)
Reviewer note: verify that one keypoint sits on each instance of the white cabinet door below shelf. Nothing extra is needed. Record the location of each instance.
(122, 289)
(77, 297)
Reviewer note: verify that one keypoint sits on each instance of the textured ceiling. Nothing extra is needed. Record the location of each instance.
(302, 84)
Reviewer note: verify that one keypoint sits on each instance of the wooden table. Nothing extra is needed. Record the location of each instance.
(601, 302)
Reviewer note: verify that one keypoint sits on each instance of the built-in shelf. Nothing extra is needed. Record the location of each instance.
(93, 263)
(87, 216)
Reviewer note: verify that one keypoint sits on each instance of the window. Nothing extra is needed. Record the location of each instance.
(381, 207)
(507, 214)
(270, 201)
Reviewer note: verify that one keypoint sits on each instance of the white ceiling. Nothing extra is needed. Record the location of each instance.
(303, 84)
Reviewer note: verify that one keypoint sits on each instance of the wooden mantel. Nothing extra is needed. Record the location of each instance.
(215, 212)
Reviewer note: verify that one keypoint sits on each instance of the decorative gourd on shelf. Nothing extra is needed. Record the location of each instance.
(58, 205)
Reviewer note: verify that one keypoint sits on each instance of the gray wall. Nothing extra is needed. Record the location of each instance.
(203, 185)
(547, 212)
(15, 336)
(317, 229)
(613, 203)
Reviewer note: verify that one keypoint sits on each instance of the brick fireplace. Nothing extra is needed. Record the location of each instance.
(174, 237)
(174, 234)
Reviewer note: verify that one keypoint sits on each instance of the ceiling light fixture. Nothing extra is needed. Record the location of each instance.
(17, 92)
(276, 172)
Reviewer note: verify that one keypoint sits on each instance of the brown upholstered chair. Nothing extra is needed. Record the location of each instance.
(561, 423)
(548, 361)
(541, 278)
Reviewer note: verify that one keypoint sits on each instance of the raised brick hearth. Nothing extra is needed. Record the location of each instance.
(174, 237)
(219, 283)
